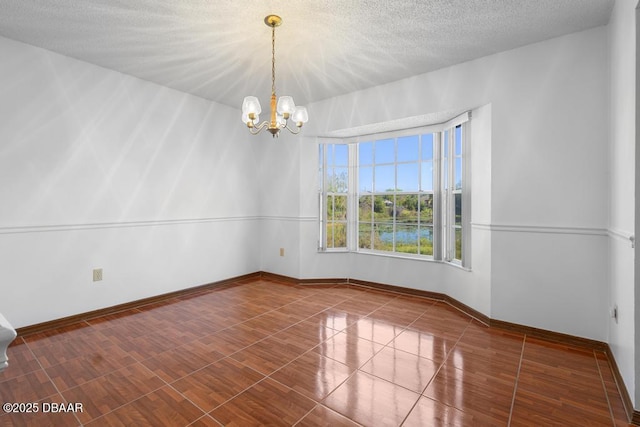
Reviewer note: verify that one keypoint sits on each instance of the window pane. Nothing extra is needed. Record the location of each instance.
(426, 209)
(340, 234)
(458, 208)
(407, 239)
(321, 148)
(383, 236)
(365, 180)
(408, 177)
(458, 173)
(426, 177)
(365, 211)
(330, 207)
(407, 208)
(384, 179)
(340, 208)
(408, 148)
(382, 207)
(445, 160)
(445, 175)
(385, 151)
(341, 154)
(364, 236)
(329, 232)
(445, 137)
(427, 146)
(458, 254)
(458, 138)
(426, 240)
(338, 180)
(331, 148)
(336, 235)
(365, 153)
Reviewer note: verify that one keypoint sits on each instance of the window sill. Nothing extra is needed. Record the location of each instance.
(420, 258)
(400, 255)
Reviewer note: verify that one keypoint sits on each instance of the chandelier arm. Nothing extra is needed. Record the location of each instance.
(295, 132)
(257, 129)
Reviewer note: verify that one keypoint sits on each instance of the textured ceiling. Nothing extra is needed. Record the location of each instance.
(222, 50)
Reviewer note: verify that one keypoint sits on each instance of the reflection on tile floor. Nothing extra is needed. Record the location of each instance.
(263, 352)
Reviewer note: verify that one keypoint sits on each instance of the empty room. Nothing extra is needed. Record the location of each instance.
(338, 213)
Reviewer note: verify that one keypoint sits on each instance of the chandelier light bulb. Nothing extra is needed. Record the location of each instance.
(300, 116)
(250, 105)
(286, 106)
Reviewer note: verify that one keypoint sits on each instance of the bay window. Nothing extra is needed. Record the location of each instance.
(399, 193)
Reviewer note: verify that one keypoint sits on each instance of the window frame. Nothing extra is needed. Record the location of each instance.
(324, 193)
(443, 210)
(395, 194)
(449, 192)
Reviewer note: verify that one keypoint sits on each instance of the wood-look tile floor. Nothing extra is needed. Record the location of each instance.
(261, 352)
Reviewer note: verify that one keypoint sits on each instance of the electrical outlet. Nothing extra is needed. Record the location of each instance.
(281, 251)
(97, 274)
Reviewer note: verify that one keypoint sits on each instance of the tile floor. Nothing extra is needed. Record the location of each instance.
(266, 353)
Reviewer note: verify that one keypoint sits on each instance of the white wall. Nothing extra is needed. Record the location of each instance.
(278, 171)
(623, 169)
(102, 170)
(539, 253)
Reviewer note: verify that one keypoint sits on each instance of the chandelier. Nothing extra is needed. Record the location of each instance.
(281, 111)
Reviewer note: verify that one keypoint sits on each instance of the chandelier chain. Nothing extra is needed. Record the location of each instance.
(273, 60)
